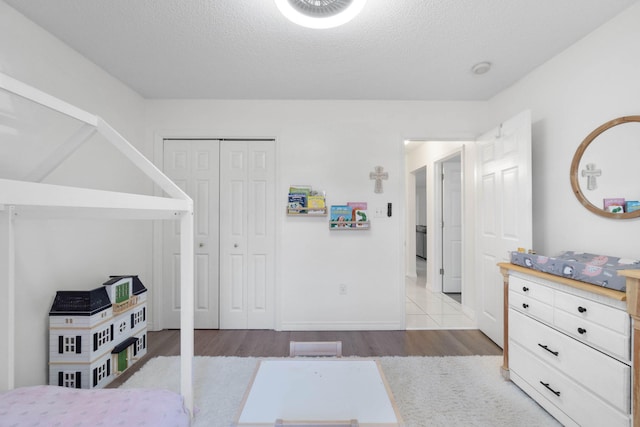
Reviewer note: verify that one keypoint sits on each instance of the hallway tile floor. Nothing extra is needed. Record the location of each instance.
(426, 309)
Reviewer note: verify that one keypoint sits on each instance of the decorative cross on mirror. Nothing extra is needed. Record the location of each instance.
(378, 175)
(591, 173)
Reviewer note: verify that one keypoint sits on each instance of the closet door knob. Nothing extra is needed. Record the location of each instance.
(582, 309)
(525, 289)
(524, 305)
(582, 331)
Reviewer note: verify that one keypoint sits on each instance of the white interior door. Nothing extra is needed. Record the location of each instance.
(193, 165)
(504, 216)
(247, 234)
(452, 226)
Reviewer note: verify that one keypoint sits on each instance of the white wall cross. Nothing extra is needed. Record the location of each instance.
(378, 175)
(591, 173)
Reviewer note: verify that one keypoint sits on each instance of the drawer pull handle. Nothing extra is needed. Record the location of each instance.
(525, 289)
(555, 353)
(524, 305)
(582, 309)
(557, 393)
(582, 331)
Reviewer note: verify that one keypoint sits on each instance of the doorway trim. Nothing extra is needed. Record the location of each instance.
(448, 148)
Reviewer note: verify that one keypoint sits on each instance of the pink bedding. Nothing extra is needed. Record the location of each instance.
(61, 406)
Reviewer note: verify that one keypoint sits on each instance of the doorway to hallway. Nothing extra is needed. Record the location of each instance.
(435, 206)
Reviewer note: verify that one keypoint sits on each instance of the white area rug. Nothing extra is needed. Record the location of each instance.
(429, 391)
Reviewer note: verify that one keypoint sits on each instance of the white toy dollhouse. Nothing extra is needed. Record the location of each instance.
(95, 335)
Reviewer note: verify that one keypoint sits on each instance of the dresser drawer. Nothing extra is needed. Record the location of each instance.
(593, 334)
(531, 289)
(585, 408)
(610, 380)
(600, 314)
(531, 306)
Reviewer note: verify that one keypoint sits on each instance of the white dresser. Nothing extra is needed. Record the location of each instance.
(568, 347)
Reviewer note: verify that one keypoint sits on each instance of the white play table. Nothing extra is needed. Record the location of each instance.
(318, 391)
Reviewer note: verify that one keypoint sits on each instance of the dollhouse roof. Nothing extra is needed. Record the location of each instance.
(137, 286)
(80, 303)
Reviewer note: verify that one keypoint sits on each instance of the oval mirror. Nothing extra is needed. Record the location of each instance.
(603, 167)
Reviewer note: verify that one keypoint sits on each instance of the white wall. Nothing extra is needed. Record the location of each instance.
(331, 145)
(62, 255)
(592, 82)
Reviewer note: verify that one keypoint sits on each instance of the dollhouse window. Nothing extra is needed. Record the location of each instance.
(122, 292)
(69, 344)
(100, 373)
(141, 344)
(123, 326)
(137, 318)
(69, 379)
(101, 338)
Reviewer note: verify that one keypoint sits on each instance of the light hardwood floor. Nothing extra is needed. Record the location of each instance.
(258, 343)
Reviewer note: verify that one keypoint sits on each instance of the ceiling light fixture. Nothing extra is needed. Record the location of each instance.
(320, 13)
(481, 68)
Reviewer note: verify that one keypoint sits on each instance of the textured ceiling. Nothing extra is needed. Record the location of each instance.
(244, 49)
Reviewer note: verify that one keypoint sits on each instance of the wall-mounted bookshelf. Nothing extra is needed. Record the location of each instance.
(349, 217)
(304, 201)
(349, 225)
(306, 211)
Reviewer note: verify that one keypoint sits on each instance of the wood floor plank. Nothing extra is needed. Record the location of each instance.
(265, 343)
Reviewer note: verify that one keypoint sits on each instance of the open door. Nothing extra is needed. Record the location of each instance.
(504, 213)
(452, 225)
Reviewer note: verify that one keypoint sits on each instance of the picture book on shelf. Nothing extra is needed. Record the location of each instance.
(340, 216)
(300, 189)
(316, 203)
(297, 201)
(358, 206)
(614, 205)
(632, 205)
(361, 218)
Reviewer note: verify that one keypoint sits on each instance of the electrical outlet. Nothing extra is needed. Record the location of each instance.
(380, 211)
(342, 289)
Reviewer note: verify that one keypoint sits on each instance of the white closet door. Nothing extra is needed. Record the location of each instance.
(247, 234)
(194, 166)
(504, 222)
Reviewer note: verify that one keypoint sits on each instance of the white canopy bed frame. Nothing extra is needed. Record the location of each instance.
(34, 199)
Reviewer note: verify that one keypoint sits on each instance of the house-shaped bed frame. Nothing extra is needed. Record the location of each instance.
(29, 199)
